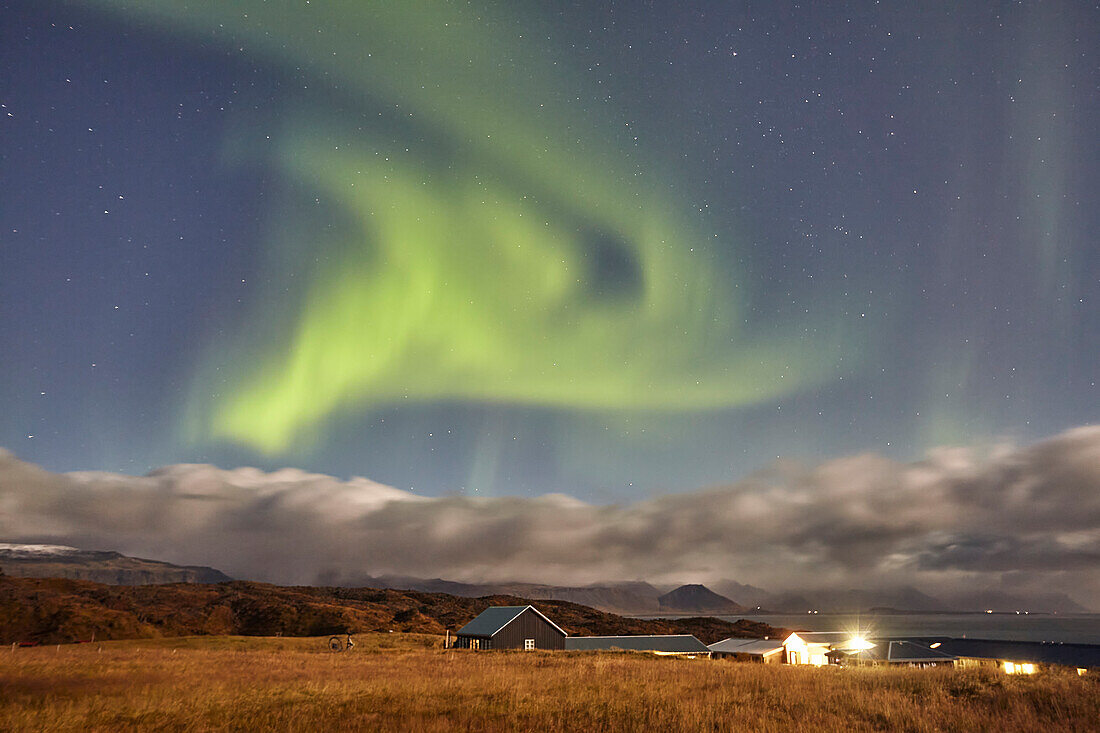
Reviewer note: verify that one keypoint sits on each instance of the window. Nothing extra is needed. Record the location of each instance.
(528, 644)
(475, 643)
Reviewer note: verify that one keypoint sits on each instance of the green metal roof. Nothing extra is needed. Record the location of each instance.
(495, 618)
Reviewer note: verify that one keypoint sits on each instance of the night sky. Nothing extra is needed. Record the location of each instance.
(612, 250)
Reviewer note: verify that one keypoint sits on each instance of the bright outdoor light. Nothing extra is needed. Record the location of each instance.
(858, 643)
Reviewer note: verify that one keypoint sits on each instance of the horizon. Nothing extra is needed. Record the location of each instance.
(504, 586)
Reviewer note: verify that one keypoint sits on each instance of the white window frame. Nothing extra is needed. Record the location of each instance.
(528, 645)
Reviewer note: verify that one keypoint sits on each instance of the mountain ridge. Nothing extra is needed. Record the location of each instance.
(101, 566)
(641, 598)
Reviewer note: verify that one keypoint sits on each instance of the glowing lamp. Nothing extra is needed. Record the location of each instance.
(858, 644)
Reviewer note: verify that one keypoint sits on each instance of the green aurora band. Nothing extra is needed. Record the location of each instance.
(500, 244)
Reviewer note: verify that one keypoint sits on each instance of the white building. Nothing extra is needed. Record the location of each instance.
(813, 647)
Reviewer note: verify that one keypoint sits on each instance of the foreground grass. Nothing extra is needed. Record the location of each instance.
(407, 682)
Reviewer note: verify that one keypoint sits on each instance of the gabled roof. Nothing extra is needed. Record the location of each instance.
(495, 618)
(746, 646)
(659, 643)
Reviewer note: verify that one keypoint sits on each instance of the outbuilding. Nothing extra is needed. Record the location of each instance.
(766, 651)
(511, 627)
(810, 647)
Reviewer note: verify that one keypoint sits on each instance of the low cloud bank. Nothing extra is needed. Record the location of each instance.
(1022, 519)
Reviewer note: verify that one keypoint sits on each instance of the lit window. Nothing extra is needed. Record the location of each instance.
(1019, 668)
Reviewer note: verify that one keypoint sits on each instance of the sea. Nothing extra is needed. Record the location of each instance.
(1068, 629)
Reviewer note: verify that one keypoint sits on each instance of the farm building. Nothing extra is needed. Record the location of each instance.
(810, 647)
(677, 644)
(510, 627)
(813, 647)
(767, 651)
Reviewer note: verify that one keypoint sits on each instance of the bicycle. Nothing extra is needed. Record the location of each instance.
(336, 644)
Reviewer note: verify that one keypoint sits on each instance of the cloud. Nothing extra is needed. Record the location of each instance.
(958, 519)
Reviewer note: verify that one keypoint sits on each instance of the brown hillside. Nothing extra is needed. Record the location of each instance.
(57, 610)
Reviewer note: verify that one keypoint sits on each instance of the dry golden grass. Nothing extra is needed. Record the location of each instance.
(408, 682)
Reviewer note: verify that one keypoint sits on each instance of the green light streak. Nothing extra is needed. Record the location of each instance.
(472, 272)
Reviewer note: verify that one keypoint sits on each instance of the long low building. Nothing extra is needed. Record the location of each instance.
(1016, 657)
(678, 644)
(767, 651)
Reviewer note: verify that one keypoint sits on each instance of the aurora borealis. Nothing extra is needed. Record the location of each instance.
(599, 249)
(496, 263)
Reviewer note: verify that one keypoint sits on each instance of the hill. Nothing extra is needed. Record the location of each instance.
(57, 610)
(59, 561)
(695, 598)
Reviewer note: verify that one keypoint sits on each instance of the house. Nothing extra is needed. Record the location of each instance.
(510, 627)
(667, 644)
(893, 652)
(766, 651)
(811, 647)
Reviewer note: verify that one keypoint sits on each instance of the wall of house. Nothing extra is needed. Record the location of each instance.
(799, 652)
(528, 625)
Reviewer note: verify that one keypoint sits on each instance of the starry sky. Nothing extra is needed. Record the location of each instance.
(609, 249)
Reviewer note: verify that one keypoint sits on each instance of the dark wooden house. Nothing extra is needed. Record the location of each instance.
(510, 627)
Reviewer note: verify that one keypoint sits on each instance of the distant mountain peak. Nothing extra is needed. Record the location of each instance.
(697, 598)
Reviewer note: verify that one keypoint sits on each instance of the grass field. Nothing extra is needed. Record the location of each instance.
(408, 682)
